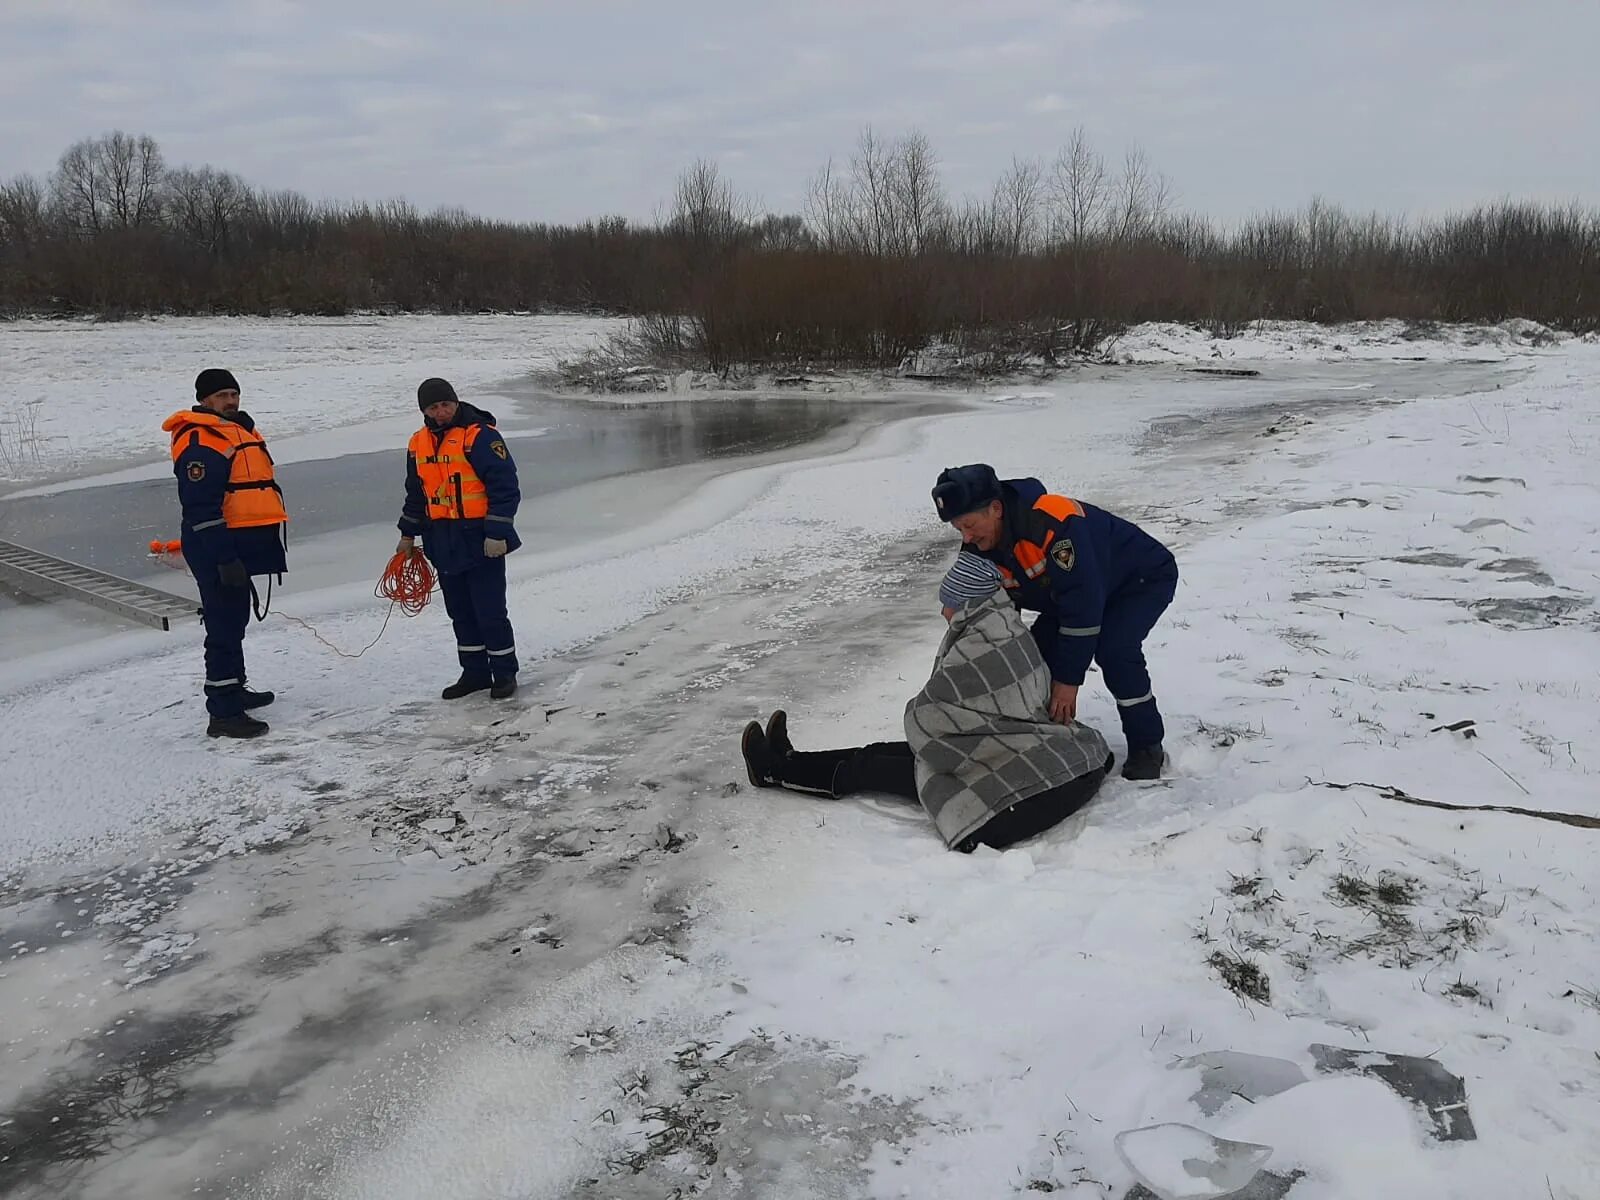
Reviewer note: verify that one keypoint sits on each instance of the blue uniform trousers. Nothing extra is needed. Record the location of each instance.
(476, 601)
(1130, 613)
(226, 612)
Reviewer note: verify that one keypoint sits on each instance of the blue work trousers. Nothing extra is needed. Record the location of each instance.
(1130, 613)
(476, 602)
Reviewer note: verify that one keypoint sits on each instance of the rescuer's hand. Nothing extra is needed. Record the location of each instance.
(1063, 703)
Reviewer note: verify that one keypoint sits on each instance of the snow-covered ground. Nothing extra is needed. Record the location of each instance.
(1405, 341)
(562, 949)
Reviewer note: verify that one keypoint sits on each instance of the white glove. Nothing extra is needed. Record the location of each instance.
(494, 548)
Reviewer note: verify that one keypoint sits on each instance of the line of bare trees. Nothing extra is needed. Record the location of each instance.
(114, 231)
(1063, 253)
(1059, 255)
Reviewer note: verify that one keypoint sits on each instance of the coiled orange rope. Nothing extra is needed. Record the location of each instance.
(407, 581)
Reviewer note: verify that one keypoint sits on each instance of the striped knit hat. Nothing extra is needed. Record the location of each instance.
(970, 578)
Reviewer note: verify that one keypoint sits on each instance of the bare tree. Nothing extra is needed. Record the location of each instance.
(916, 196)
(1139, 201)
(1326, 231)
(23, 220)
(283, 220)
(110, 182)
(78, 189)
(707, 212)
(206, 205)
(891, 204)
(785, 231)
(1017, 205)
(970, 228)
(827, 209)
(872, 195)
(1079, 190)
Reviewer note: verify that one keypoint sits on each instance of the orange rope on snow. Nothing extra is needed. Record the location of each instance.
(407, 581)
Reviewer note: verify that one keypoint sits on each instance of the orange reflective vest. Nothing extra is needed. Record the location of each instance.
(1032, 548)
(450, 486)
(251, 496)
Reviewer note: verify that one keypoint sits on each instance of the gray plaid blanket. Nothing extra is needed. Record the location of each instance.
(981, 728)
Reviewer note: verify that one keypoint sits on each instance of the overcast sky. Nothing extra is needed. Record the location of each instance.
(561, 111)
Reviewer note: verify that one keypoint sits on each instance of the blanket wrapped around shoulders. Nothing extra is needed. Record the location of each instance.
(981, 729)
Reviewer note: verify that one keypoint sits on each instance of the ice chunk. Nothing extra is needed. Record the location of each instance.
(1440, 1095)
(1228, 1073)
(1180, 1162)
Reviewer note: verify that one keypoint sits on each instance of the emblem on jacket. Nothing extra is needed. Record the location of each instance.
(196, 472)
(1064, 554)
(499, 448)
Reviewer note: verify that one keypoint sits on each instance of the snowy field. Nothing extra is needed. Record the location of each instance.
(561, 949)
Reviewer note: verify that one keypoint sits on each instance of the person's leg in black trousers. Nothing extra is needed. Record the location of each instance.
(770, 761)
(885, 767)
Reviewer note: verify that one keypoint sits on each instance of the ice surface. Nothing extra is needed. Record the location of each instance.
(1180, 1162)
(1225, 1074)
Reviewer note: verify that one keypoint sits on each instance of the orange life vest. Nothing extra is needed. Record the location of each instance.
(450, 486)
(252, 496)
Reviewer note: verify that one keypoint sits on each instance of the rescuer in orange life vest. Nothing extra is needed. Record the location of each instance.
(461, 498)
(233, 529)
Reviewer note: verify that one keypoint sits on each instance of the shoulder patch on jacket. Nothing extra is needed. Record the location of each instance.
(196, 472)
(499, 448)
(1064, 555)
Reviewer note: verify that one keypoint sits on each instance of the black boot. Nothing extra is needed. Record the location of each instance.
(503, 689)
(257, 699)
(465, 686)
(778, 735)
(757, 757)
(241, 726)
(1144, 762)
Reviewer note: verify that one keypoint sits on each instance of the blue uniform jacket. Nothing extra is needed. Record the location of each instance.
(454, 546)
(259, 547)
(1087, 558)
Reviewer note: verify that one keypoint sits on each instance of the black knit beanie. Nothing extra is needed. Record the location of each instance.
(431, 391)
(213, 379)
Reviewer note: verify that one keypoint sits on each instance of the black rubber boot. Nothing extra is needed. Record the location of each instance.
(757, 757)
(258, 699)
(465, 686)
(1144, 762)
(778, 735)
(503, 689)
(242, 726)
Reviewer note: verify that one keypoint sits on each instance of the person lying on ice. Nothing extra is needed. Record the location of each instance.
(982, 753)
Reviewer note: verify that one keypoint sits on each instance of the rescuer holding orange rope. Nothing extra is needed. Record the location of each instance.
(461, 498)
